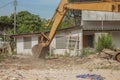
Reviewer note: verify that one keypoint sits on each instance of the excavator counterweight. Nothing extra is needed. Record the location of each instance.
(63, 7)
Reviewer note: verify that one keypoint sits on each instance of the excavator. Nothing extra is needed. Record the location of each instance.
(63, 7)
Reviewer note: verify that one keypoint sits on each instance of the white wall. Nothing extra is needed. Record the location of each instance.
(116, 38)
(66, 33)
(99, 15)
(21, 50)
(34, 40)
(20, 45)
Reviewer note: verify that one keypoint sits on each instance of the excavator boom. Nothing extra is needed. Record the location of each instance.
(65, 5)
(96, 6)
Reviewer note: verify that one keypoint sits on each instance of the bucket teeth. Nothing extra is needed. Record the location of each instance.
(39, 51)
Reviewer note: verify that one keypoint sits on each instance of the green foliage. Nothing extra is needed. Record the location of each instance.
(87, 51)
(67, 22)
(28, 22)
(70, 0)
(5, 19)
(2, 57)
(104, 41)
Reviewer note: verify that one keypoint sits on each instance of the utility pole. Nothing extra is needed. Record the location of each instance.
(15, 4)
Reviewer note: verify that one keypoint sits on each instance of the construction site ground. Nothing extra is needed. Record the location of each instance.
(62, 68)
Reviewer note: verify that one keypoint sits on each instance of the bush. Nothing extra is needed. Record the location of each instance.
(2, 58)
(87, 51)
(104, 42)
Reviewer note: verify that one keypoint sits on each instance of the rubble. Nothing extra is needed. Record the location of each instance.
(63, 68)
(110, 54)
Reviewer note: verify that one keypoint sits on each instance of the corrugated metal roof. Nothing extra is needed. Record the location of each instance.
(26, 35)
(101, 25)
(39, 33)
(87, 26)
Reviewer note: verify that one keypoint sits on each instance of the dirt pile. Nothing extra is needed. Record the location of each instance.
(63, 68)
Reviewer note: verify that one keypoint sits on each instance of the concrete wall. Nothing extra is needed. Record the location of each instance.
(97, 35)
(66, 33)
(34, 40)
(21, 50)
(20, 45)
(98, 15)
(116, 38)
(99, 25)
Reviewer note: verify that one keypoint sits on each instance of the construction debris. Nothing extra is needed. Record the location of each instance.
(6, 49)
(29, 68)
(40, 51)
(110, 54)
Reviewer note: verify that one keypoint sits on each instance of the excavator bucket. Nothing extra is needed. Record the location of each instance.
(44, 52)
(40, 50)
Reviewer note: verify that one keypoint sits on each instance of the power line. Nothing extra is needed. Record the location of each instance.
(6, 4)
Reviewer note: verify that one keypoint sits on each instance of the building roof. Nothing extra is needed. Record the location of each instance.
(26, 35)
(101, 26)
(88, 26)
(39, 33)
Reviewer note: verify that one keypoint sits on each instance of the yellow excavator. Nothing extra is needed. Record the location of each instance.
(63, 7)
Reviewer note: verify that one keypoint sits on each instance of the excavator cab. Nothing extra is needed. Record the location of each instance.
(40, 49)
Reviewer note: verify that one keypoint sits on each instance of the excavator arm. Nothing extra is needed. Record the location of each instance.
(56, 20)
(65, 5)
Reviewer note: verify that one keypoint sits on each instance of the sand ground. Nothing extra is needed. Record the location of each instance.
(63, 68)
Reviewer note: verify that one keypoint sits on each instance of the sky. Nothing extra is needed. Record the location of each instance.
(43, 8)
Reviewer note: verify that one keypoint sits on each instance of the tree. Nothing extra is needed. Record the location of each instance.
(67, 22)
(4, 19)
(5, 28)
(28, 22)
(72, 18)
